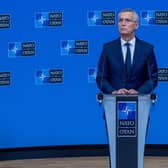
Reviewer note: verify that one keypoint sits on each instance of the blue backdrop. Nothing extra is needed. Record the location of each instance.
(48, 58)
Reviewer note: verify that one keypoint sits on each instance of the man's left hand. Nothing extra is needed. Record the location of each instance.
(132, 91)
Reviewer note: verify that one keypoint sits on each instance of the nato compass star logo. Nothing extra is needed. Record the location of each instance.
(42, 77)
(41, 20)
(147, 18)
(94, 18)
(92, 73)
(14, 49)
(127, 110)
(67, 47)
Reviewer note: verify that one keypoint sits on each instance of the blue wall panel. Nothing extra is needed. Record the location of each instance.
(65, 113)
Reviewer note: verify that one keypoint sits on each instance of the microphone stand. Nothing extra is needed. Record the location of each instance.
(153, 96)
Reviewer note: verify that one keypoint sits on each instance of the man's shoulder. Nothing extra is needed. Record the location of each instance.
(112, 43)
(144, 43)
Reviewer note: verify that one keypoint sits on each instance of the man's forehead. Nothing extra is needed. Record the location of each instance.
(126, 14)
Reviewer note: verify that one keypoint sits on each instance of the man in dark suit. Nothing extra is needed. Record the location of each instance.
(127, 65)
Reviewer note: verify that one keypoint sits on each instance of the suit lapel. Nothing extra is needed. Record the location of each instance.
(119, 54)
(137, 53)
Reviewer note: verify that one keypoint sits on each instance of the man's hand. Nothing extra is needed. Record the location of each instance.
(120, 91)
(125, 91)
(132, 91)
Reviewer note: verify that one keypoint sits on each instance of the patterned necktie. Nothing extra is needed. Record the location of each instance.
(128, 59)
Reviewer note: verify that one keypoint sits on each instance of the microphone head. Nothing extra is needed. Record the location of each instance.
(99, 97)
(153, 97)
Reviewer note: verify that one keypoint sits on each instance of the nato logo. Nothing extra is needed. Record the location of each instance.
(157, 17)
(48, 76)
(126, 119)
(69, 47)
(48, 19)
(147, 18)
(5, 78)
(126, 110)
(101, 18)
(92, 72)
(16, 49)
(4, 21)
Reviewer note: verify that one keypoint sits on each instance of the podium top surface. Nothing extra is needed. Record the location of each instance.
(139, 96)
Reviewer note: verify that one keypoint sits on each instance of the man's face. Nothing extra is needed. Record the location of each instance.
(127, 24)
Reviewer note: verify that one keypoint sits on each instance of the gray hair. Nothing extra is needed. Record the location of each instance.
(136, 17)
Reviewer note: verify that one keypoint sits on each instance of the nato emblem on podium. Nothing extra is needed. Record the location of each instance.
(126, 118)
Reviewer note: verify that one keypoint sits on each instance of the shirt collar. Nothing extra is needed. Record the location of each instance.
(132, 42)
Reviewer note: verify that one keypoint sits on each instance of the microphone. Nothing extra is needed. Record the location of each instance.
(153, 98)
(99, 96)
(153, 95)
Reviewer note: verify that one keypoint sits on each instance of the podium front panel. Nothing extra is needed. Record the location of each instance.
(126, 121)
(126, 132)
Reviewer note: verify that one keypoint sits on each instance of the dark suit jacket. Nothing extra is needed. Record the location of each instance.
(111, 73)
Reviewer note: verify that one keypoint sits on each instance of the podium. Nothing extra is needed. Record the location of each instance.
(126, 121)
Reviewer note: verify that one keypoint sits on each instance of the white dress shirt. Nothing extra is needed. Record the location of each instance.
(124, 48)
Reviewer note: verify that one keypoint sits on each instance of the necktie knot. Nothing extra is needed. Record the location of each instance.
(127, 44)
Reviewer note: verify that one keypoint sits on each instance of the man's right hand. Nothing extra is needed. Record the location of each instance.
(120, 91)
